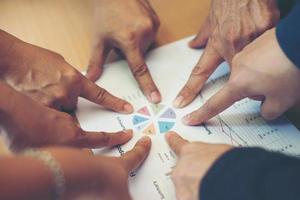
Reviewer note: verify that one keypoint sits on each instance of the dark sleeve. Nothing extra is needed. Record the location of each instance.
(288, 35)
(285, 6)
(252, 174)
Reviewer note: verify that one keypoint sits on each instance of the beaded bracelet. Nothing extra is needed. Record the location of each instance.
(54, 167)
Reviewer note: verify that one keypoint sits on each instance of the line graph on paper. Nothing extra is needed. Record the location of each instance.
(242, 124)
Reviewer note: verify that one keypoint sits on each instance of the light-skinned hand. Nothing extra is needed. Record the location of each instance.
(230, 26)
(261, 72)
(194, 161)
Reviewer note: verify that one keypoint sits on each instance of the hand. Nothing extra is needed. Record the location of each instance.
(30, 124)
(195, 159)
(86, 176)
(230, 26)
(270, 77)
(99, 177)
(129, 26)
(48, 79)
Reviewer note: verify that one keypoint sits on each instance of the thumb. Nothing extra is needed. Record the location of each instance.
(272, 108)
(97, 60)
(201, 39)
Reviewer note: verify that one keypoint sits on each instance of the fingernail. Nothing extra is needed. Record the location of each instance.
(155, 97)
(128, 108)
(145, 139)
(127, 133)
(169, 135)
(178, 102)
(187, 119)
(191, 42)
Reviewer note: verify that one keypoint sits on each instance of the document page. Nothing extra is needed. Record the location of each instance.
(170, 67)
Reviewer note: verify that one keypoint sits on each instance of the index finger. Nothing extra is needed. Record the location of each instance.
(223, 99)
(142, 75)
(100, 96)
(176, 142)
(208, 62)
(134, 158)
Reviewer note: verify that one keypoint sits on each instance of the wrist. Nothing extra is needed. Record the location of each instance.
(80, 171)
(24, 177)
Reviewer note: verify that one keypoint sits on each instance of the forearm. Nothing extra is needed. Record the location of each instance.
(252, 174)
(24, 178)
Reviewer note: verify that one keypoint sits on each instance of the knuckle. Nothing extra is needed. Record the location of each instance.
(129, 38)
(238, 60)
(49, 102)
(146, 24)
(72, 75)
(61, 94)
(209, 107)
(201, 71)
(140, 70)
(105, 138)
(188, 90)
(101, 95)
(237, 85)
(232, 37)
(56, 56)
(214, 40)
(157, 22)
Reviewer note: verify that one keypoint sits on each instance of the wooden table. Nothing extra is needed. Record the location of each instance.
(65, 26)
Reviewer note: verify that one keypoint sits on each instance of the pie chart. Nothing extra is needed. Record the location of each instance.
(154, 119)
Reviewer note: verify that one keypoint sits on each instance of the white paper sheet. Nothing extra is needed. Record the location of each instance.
(170, 66)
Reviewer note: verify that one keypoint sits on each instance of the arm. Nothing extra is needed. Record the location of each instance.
(29, 124)
(85, 175)
(287, 33)
(228, 173)
(252, 173)
(285, 6)
(24, 178)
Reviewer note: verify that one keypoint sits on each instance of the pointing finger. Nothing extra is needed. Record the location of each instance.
(216, 104)
(207, 64)
(141, 73)
(100, 96)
